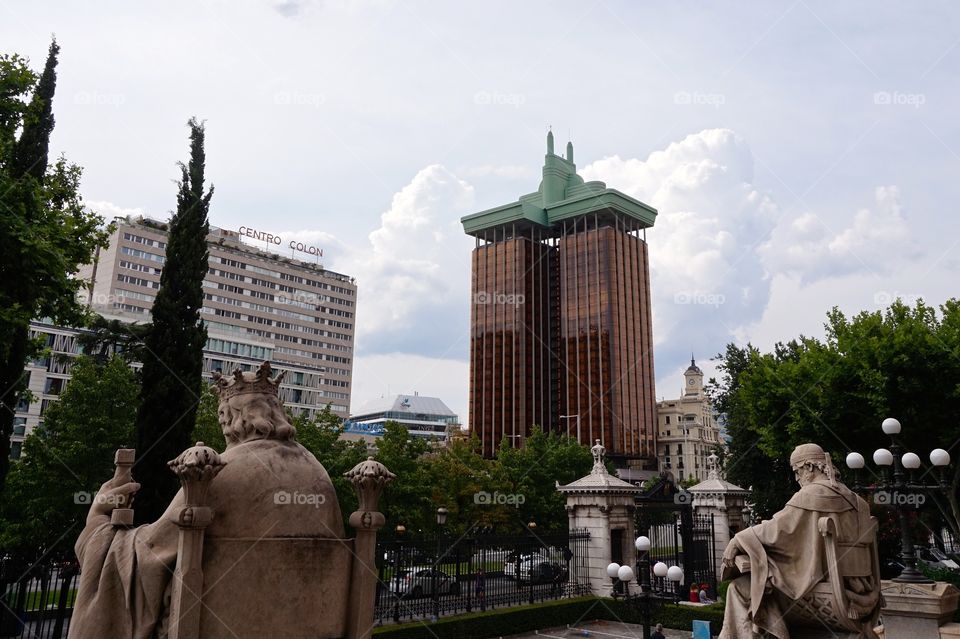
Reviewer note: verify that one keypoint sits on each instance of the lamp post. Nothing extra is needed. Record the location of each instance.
(576, 417)
(397, 558)
(650, 597)
(441, 522)
(898, 487)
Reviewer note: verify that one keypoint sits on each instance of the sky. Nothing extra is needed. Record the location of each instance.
(802, 155)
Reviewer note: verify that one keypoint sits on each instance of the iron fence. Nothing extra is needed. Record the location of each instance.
(430, 578)
(682, 538)
(36, 598)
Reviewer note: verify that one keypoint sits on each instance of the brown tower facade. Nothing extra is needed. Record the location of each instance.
(561, 333)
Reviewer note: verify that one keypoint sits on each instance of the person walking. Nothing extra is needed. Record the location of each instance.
(658, 632)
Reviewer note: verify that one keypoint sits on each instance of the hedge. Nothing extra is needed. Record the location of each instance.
(509, 621)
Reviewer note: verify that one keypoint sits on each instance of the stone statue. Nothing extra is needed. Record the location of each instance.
(812, 570)
(244, 527)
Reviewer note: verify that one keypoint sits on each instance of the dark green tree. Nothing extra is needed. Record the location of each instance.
(902, 362)
(322, 437)
(408, 499)
(207, 427)
(68, 457)
(47, 231)
(173, 348)
(534, 470)
(104, 338)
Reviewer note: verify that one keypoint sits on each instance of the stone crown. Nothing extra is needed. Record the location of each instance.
(241, 383)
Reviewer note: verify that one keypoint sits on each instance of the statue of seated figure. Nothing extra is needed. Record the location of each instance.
(810, 571)
(258, 519)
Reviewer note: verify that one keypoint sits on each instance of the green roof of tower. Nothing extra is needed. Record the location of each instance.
(562, 195)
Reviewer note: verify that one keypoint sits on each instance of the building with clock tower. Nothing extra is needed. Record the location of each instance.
(687, 429)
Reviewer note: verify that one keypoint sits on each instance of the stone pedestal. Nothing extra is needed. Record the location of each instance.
(604, 506)
(917, 610)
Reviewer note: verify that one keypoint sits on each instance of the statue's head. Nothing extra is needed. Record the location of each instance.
(810, 463)
(249, 406)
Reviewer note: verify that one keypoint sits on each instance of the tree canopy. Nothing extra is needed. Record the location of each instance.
(172, 372)
(47, 231)
(901, 362)
(68, 457)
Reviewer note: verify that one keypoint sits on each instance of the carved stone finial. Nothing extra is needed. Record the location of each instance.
(196, 467)
(599, 468)
(713, 472)
(369, 478)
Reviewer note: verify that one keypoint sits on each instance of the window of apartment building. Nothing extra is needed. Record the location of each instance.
(679, 449)
(23, 405)
(54, 386)
(19, 426)
(143, 255)
(15, 449)
(667, 418)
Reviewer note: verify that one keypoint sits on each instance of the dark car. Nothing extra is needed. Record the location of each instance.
(542, 572)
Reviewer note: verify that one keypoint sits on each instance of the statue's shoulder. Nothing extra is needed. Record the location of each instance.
(822, 497)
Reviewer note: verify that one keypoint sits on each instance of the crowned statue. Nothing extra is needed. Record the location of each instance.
(812, 570)
(128, 574)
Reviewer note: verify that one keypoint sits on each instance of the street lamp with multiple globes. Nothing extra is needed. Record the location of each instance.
(650, 596)
(898, 487)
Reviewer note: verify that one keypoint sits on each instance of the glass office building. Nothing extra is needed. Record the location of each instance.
(561, 333)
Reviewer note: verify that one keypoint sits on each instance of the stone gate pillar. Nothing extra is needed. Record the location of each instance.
(725, 501)
(604, 506)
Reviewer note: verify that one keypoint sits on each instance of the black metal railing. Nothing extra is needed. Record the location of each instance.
(36, 598)
(430, 578)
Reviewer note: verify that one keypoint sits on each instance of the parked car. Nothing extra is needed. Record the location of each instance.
(408, 556)
(515, 560)
(537, 571)
(419, 582)
(935, 557)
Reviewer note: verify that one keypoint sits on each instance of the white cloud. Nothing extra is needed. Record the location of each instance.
(876, 241)
(509, 171)
(109, 210)
(413, 277)
(706, 277)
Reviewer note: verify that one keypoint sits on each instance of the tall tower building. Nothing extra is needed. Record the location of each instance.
(561, 333)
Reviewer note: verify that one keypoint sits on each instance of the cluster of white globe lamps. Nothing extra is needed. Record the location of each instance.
(625, 573)
(883, 457)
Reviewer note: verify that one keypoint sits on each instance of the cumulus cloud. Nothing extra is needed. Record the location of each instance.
(109, 210)
(874, 242)
(413, 277)
(706, 277)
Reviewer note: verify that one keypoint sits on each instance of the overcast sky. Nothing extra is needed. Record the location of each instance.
(801, 154)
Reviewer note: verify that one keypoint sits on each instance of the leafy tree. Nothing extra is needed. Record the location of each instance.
(47, 231)
(68, 457)
(535, 469)
(902, 362)
(465, 483)
(408, 499)
(207, 427)
(173, 349)
(104, 338)
(321, 436)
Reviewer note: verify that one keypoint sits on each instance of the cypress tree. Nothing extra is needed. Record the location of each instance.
(47, 231)
(173, 353)
(31, 151)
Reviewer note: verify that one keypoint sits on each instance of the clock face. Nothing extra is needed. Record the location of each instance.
(690, 382)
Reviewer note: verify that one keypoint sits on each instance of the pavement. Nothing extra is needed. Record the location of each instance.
(599, 630)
